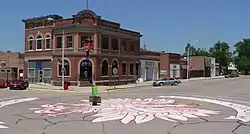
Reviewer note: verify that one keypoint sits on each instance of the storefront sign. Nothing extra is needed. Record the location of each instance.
(163, 71)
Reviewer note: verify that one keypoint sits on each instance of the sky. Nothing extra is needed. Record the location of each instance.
(165, 24)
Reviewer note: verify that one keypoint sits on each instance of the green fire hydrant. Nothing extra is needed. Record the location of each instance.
(94, 90)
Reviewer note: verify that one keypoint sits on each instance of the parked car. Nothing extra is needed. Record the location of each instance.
(19, 84)
(167, 81)
(3, 83)
(232, 75)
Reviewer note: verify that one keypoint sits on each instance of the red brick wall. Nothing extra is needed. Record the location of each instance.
(197, 63)
(164, 64)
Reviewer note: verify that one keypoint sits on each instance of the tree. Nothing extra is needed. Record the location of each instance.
(202, 52)
(195, 52)
(221, 52)
(242, 55)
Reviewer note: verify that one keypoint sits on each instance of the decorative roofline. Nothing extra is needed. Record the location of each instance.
(53, 16)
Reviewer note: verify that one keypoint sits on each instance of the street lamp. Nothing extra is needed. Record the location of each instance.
(188, 59)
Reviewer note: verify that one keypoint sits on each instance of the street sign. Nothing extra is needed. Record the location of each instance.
(115, 71)
(88, 46)
(38, 65)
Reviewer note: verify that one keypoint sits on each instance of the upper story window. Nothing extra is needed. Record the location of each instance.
(39, 42)
(30, 43)
(48, 42)
(58, 42)
(132, 47)
(124, 45)
(114, 43)
(83, 39)
(105, 42)
(69, 41)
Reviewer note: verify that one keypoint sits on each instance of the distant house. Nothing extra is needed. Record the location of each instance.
(232, 68)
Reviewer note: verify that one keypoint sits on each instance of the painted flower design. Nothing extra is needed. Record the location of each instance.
(144, 110)
(128, 110)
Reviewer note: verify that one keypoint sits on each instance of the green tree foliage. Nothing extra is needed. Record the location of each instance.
(242, 55)
(195, 51)
(221, 52)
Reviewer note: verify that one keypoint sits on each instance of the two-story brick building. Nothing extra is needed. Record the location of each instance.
(11, 65)
(116, 53)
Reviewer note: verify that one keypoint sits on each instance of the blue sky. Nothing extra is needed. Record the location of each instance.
(166, 24)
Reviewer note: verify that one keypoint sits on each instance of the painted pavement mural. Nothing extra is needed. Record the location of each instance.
(143, 110)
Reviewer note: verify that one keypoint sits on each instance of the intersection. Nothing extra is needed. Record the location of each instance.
(219, 106)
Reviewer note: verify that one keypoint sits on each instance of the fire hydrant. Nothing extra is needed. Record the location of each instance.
(94, 98)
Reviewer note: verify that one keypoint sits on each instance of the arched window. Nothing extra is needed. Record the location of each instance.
(30, 43)
(105, 68)
(66, 68)
(47, 42)
(39, 42)
(114, 67)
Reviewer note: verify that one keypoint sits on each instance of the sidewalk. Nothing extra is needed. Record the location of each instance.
(48, 87)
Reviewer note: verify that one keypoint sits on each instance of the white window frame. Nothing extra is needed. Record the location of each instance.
(30, 39)
(47, 37)
(44, 73)
(29, 73)
(40, 39)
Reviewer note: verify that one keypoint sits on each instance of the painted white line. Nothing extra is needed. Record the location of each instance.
(11, 102)
(243, 112)
(223, 98)
(2, 126)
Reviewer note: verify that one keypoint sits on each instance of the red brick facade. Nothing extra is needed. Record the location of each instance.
(111, 43)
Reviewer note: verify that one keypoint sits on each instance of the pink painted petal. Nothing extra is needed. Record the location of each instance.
(189, 115)
(161, 116)
(109, 118)
(127, 119)
(107, 113)
(178, 117)
(144, 118)
(208, 111)
(201, 114)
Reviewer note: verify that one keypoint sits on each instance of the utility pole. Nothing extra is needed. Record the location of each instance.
(188, 58)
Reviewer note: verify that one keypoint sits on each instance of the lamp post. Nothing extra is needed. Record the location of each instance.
(63, 62)
(63, 55)
(188, 59)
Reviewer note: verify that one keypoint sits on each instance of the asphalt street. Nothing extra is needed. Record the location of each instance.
(220, 106)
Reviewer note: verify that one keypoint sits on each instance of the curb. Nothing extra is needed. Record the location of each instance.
(51, 90)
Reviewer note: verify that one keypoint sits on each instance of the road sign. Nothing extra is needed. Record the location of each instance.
(115, 71)
(38, 65)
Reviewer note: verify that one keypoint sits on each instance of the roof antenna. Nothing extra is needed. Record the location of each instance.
(87, 4)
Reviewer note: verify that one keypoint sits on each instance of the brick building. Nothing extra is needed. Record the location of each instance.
(170, 65)
(11, 65)
(115, 57)
(202, 66)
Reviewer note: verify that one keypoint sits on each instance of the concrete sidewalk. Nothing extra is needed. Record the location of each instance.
(48, 87)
